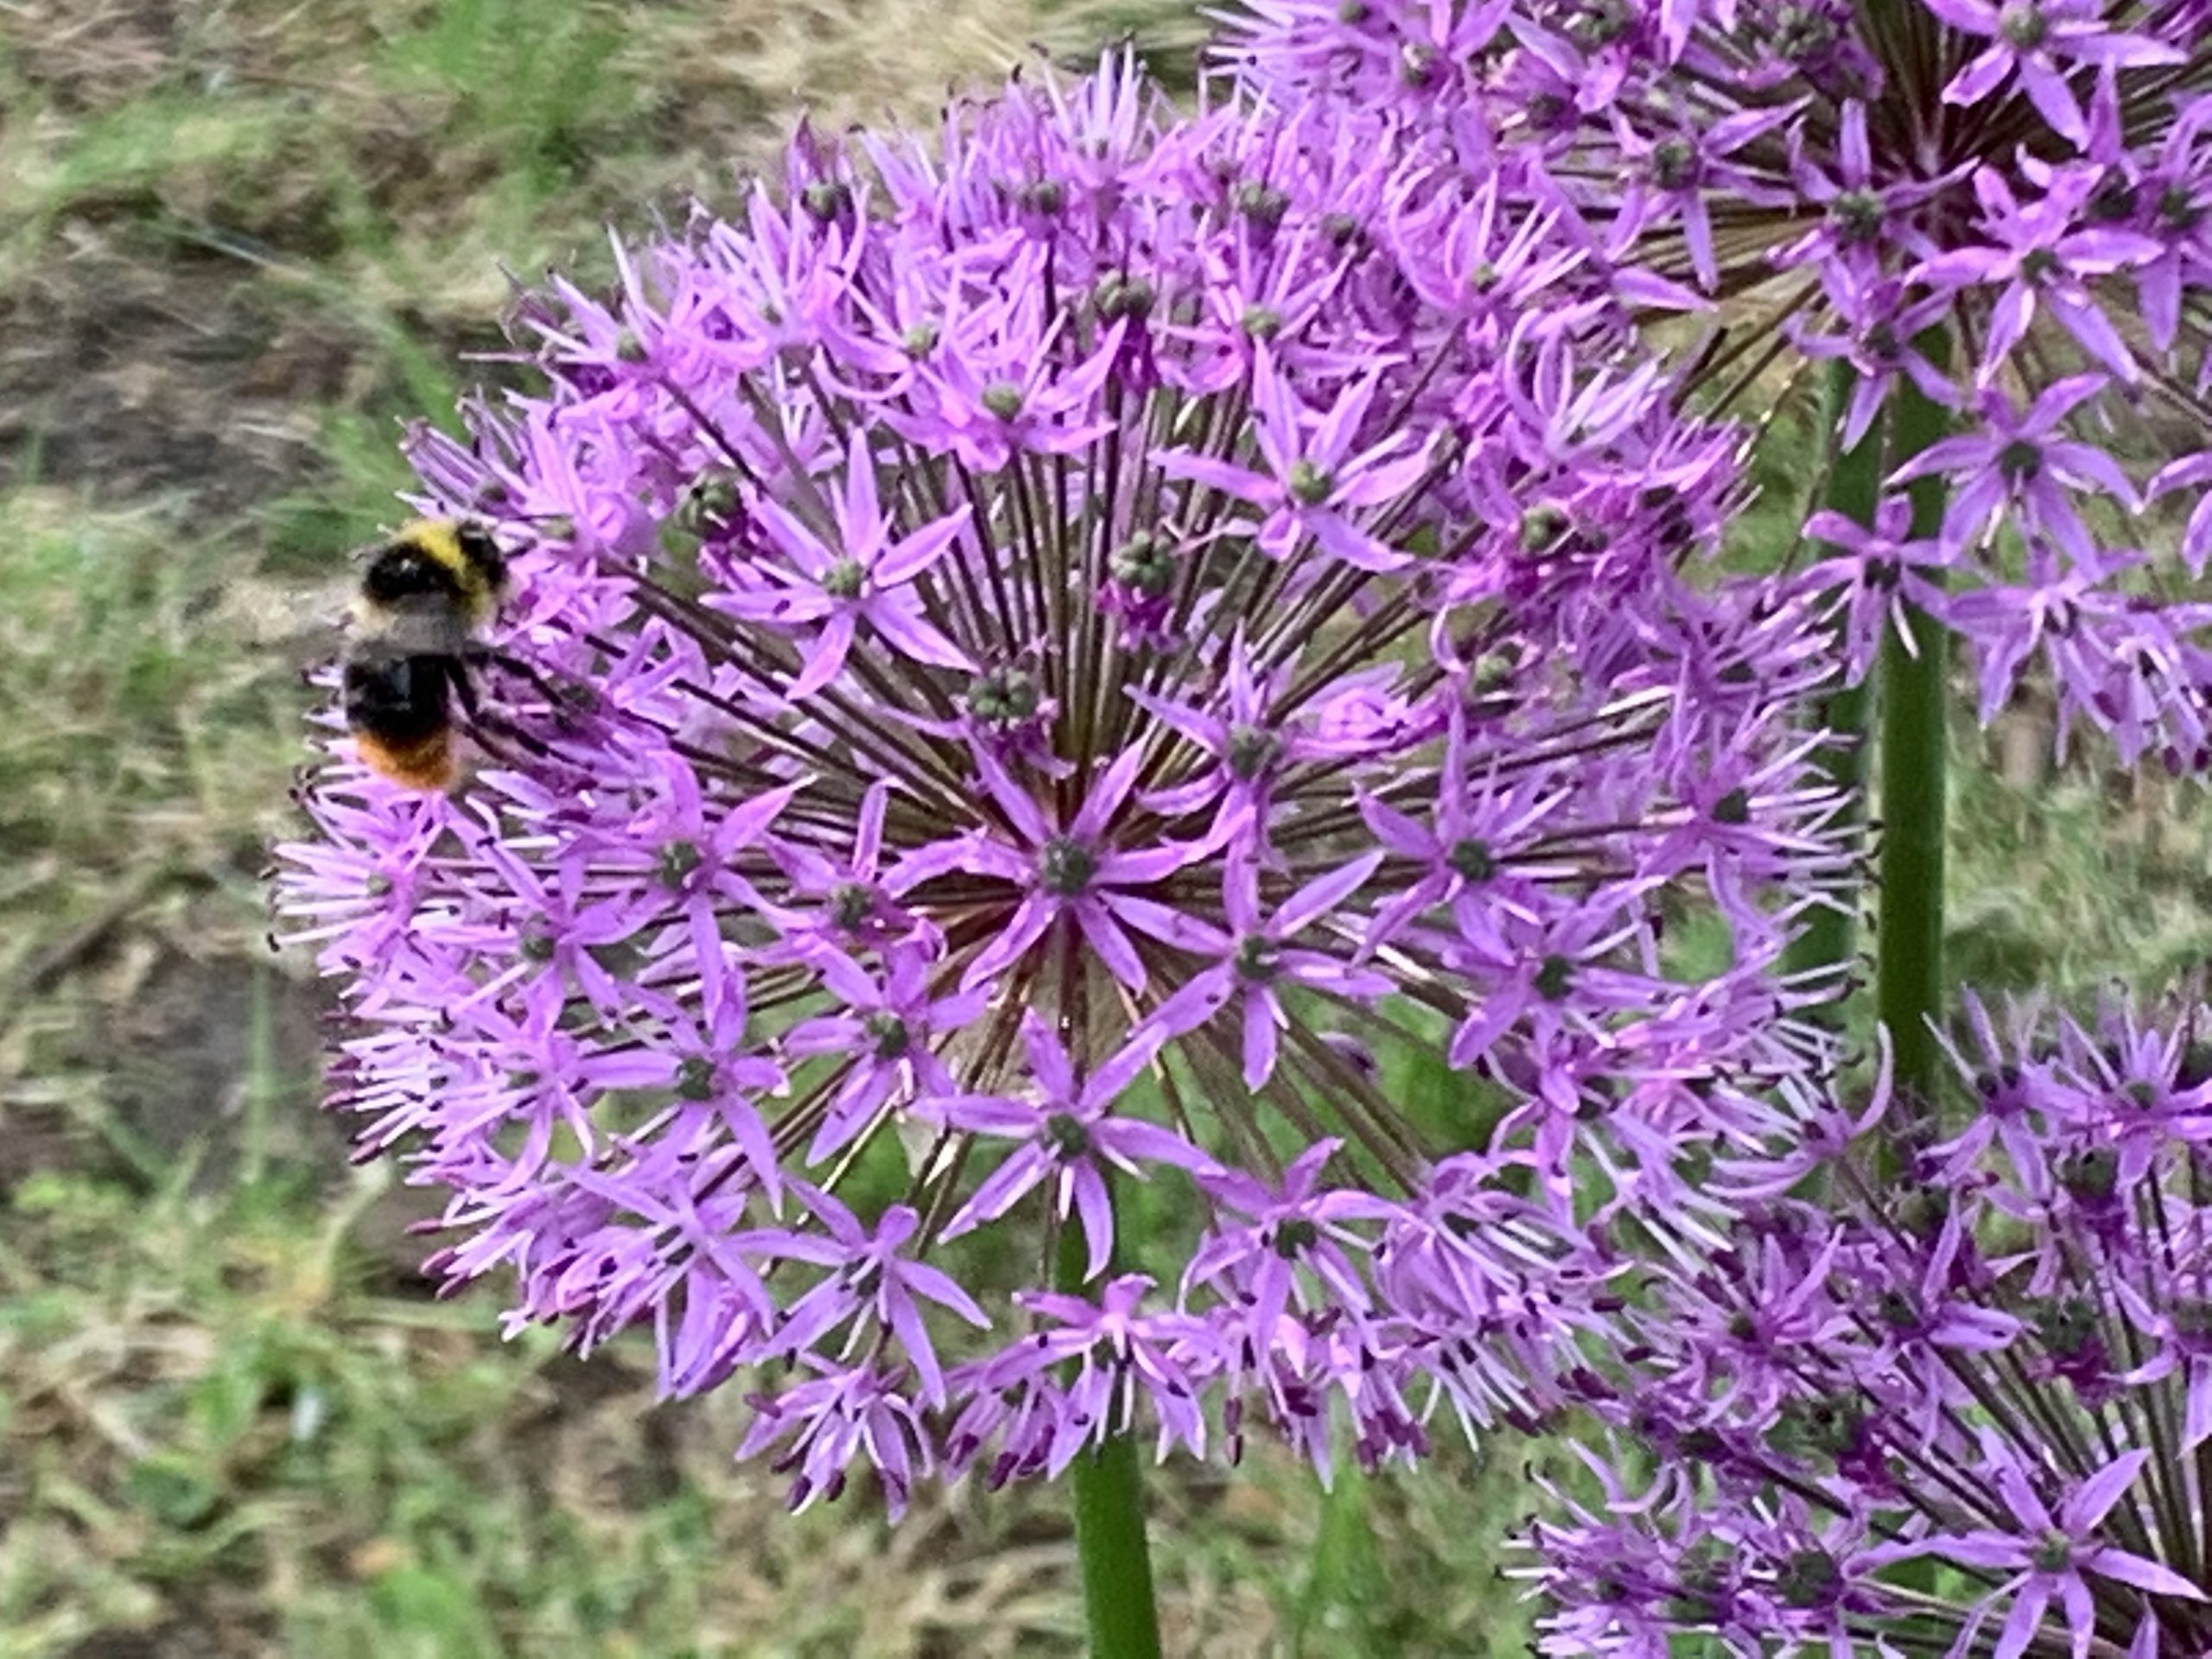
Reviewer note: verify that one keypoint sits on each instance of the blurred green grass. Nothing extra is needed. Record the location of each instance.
(237, 245)
(241, 242)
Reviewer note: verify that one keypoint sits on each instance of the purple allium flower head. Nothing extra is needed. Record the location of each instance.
(1982, 201)
(1997, 1359)
(1041, 649)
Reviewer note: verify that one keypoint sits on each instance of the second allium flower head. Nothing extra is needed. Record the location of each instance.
(1085, 631)
(1963, 1407)
(2004, 208)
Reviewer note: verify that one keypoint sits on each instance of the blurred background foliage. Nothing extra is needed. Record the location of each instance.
(240, 241)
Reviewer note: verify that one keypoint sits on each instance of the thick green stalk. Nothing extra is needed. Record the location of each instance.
(1346, 1591)
(1909, 990)
(1117, 1600)
(1854, 484)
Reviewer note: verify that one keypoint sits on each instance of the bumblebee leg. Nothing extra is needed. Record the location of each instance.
(564, 700)
(493, 732)
(463, 690)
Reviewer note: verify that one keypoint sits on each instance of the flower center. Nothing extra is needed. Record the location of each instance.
(1066, 1136)
(1146, 564)
(1673, 164)
(1004, 696)
(2055, 1552)
(844, 579)
(1857, 217)
(1043, 197)
(2091, 1176)
(888, 1034)
(1251, 752)
(1473, 859)
(1999, 1088)
(694, 1078)
(711, 505)
(1065, 866)
(2022, 25)
(1554, 978)
(1257, 959)
(1808, 1578)
(1416, 63)
(678, 859)
(1491, 672)
(920, 340)
(1801, 32)
(2067, 1326)
(2019, 460)
(1309, 485)
(1294, 1236)
(1261, 321)
(1898, 1311)
(1600, 23)
(1262, 203)
(850, 905)
(1119, 295)
(1828, 1426)
(1542, 527)
(1002, 398)
(827, 199)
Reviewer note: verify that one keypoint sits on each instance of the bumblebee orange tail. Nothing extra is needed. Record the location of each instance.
(426, 764)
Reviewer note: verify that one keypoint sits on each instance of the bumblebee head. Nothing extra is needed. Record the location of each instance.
(438, 562)
(481, 552)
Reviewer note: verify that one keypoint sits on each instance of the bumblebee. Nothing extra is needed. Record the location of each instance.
(424, 597)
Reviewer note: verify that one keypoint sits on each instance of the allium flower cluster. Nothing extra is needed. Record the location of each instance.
(1960, 1405)
(2005, 208)
(1042, 652)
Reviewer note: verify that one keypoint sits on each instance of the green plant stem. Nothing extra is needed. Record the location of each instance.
(1854, 484)
(1344, 1583)
(1909, 991)
(1117, 1598)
